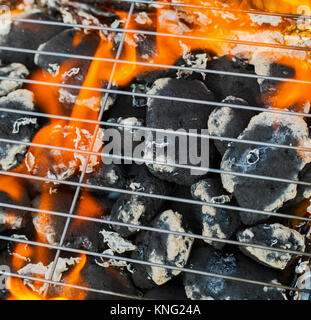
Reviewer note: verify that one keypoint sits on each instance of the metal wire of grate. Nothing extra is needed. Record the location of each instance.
(106, 92)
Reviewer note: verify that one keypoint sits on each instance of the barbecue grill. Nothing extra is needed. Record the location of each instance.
(110, 89)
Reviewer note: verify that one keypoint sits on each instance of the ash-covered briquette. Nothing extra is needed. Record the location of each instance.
(135, 209)
(225, 85)
(272, 235)
(274, 162)
(26, 35)
(267, 68)
(13, 70)
(161, 248)
(63, 42)
(218, 223)
(228, 122)
(199, 287)
(16, 126)
(98, 278)
(175, 115)
(108, 175)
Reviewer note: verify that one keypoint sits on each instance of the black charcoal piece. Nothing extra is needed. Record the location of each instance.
(174, 148)
(13, 70)
(199, 287)
(228, 122)
(25, 35)
(161, 248)
(16, 126)
(275, 236)
(64, 43)
(274, 162)
(112, 175)
(98, 278)
(136, 209)
(218, 223)
(225, 85)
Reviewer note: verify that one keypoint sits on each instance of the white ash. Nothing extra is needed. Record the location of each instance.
(46, 230)
(11, 221)
(136, 210)
(111, 262)
(23, 122)
(10, 160)
(143, 18)
(260, 19)
(198, 61)
(116, 243)
(22, 96)
(42, 270)
(192, 291)
(14, 70)
(112, 176)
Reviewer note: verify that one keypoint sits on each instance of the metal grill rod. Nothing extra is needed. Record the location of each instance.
(143, 95)
(212, 8)
(154, 65)
(140, 160)
(78, 188)
(111, 124)
(152, 264)
(154, 196)
(154, 33)
(152, 229)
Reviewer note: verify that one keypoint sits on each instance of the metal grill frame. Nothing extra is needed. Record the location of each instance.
(106, 92)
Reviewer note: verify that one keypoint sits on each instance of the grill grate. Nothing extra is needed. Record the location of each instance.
(107, 91)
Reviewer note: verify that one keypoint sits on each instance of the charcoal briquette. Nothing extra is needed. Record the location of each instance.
(178, 115)
(269, 161)
(13, 70)
(224, 85)
(64, 42)
(25, 35)
(16, 126)
(161, 248)
(271, 235)
(199, 287)
(215, 222)
(136, 209)
(228, 122)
